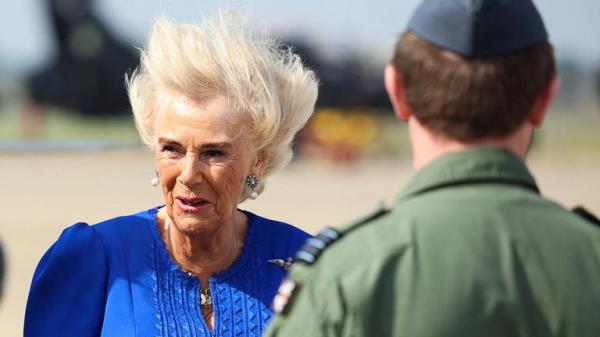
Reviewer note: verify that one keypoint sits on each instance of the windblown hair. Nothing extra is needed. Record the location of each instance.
(222, 56)
(471, 99)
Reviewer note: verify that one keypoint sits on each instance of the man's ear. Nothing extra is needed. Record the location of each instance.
(395, 89)
(543, 101)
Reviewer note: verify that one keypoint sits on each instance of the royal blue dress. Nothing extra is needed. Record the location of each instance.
(116, 279)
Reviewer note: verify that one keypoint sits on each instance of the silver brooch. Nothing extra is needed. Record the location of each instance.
(285, 264)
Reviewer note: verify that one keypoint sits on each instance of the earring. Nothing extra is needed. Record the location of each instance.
(156, 179)
(252, 182)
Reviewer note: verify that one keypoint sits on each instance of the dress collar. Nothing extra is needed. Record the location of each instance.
(472, 166)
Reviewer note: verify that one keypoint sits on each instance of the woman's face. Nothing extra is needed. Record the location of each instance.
(203, 156)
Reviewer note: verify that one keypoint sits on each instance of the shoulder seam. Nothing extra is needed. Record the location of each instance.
(313, 247)
(379, 213)
(586, 215)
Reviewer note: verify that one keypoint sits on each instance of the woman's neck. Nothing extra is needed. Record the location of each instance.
(207, 253)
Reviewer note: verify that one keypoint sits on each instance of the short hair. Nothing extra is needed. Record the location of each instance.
(223, 56)
(469, 99)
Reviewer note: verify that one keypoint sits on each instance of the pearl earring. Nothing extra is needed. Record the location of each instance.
(156, 179)
(252, 182)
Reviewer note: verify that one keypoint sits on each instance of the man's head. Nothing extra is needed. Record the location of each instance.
(471, 70)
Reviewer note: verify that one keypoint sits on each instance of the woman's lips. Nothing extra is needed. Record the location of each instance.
(189, 205)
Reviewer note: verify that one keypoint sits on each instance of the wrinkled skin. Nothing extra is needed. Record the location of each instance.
(203, 151)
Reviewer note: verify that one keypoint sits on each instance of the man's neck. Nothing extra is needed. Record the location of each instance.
(427, 146)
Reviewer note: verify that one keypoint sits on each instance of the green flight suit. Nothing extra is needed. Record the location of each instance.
(469, 249)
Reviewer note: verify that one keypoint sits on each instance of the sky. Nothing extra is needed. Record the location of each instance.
(367, 26)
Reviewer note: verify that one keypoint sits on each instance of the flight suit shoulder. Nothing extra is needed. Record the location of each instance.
(587, 215)
(305, 272)
(314, 247)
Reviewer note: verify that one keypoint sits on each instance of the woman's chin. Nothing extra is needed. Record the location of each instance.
(191, 224)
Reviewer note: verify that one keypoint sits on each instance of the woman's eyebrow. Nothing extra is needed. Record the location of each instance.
(216, 145)
(167, 140)
(213, 145)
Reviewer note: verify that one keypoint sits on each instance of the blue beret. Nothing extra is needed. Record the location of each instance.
(479, 28)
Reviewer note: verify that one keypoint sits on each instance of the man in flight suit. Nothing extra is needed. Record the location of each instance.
(470, 247)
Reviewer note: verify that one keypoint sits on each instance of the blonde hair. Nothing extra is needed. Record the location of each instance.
(221, 56)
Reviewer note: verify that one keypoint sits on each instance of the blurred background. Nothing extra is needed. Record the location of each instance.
(69, 151)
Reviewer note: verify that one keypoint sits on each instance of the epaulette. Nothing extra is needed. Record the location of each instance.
(582, 212)
(313, 247)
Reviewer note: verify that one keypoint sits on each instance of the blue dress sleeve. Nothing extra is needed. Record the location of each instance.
(68, 290)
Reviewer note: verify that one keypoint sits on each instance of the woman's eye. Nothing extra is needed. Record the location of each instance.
(215, 153)
(170, 149)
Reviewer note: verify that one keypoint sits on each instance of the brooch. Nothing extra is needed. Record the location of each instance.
(285, 264)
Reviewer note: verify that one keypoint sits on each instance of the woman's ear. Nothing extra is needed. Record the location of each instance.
(395, 89)
(260, 165)
(543, 101)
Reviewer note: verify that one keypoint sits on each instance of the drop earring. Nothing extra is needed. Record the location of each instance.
(251, 183)
(156, 179)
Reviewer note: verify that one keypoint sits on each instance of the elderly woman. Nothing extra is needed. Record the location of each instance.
(220, 107)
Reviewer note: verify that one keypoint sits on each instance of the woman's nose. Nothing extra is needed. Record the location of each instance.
(191, 173)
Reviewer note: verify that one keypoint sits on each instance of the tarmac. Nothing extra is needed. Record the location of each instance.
(44, 191)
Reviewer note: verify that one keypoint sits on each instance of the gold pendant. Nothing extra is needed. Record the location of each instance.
(205, 298)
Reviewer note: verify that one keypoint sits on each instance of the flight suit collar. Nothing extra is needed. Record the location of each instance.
(472, 166)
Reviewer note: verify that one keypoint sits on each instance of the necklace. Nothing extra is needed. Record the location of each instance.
(206, 300)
